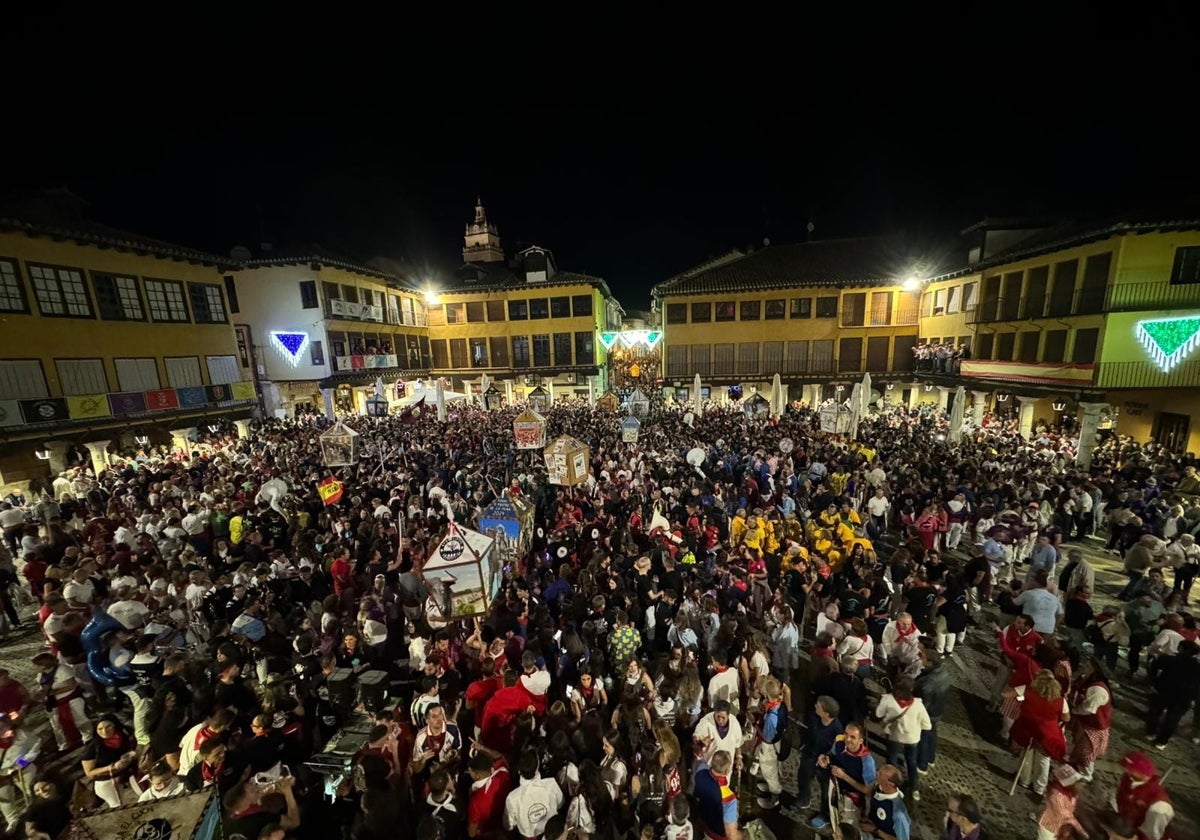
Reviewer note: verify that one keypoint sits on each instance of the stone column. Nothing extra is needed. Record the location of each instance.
(243, 429)
(592, 391)
(943, 398)
(327, 398)
(1025, 426)
(914, 394)
(550, 391)
(58, 456)
(181, 439)
(99, 451)
(978, 403)
(1087, 433)
(508, 392)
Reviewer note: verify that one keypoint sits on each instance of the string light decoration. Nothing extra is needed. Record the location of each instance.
(1168, 340)
(290, 344)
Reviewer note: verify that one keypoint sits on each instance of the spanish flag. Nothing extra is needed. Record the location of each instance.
(330, 490)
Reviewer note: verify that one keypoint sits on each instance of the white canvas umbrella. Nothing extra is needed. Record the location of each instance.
(439, 399)
(776, 397)
(865, 396)
(957, 413)
(855, 409)
(697, 402)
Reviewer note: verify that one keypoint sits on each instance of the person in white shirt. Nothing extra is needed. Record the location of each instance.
(878, 507)
(19, 750)
(163, 784)
(533, 802)
(79, 590)
(719, 730)
(725, 682)
(904, 718)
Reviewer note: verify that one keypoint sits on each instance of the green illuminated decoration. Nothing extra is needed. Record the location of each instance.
(1168, 340)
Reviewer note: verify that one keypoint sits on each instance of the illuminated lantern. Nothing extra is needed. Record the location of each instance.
(635, 370)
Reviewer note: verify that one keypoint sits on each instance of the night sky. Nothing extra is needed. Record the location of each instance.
(627, 179)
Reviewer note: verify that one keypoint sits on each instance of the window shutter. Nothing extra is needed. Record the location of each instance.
(223, 370)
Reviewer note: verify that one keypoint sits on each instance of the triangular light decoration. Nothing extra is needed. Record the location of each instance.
(608, 339)
(652, 338)
(1168, 340)
(290, 344)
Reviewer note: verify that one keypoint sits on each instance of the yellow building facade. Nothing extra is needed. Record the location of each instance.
(106, 336)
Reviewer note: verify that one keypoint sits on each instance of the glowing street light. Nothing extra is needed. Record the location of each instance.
(911, 283)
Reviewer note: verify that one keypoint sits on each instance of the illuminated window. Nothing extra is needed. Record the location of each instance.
(166, 301)
(60, 291)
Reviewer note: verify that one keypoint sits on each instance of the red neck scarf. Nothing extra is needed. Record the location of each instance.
(114, 742)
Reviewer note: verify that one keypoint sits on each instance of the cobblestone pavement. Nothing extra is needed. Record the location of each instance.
(971, 758)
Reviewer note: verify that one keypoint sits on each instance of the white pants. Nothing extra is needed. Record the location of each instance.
(767, 756)
(82, 723)
(1036, 771)
(109, 790)
(141, 710)
(954, 535)
(15, 798)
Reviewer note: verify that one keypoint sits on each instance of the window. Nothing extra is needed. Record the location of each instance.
(183, 372)
(1029, 346)
(1095, 282)
(350, 294)
(458, 352)
(332, 292)
(677, 313)
(902, 353)
(797, 356)
(677, 360)
(776, 309)
(801, 308)
(1186, 268)
(850, 355)
(970, 296)
(518, 310)
(456, 313)
(986, 341)
(81, 376)
(560, 307)
(317, 352)
(499, 347)
(441, 359)
(854, 306)
(748, 357)
(881, 309)
(308, 294)
(581, 305)
(1010, 297)
(368, 297)
(60, 292)
(479, 352)
(953, 300)
(223, 370)
(426, 352)
(520, 345)
(827, 308)
(701, 359)
(723, 359)
(772, 353)
(585, 352)
(751, 310)
(1005, 345)
(939, 302)
(475, 312)
(495, 310)
(538, 308)
(907, 309)
(701, 313)
(1056, 346)
(821, 359)
(337, 341)
(208, 307)
(22, 379)
(562, 349)
(136, 374)
(437, 316)
(1063, 295)
(1085, 346)
(117, 297)
(12, 293)
(1038, 281)
(541, 351)
(726, 310)
(231, 294)
(165, 298)
(877, 352)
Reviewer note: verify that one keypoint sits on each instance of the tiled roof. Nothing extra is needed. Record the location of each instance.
(497, 276)
(316, 254)
(863, 261)
(90, 233)
(1080, 230)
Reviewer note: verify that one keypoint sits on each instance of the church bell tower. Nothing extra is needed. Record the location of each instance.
(482, 241)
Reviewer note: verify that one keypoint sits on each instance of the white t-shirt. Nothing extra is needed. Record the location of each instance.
(877, 506)
(79, 593)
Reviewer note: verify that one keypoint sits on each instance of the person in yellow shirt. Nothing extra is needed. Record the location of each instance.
(737, 527)
(237, 526)
(773, 531)
(792, 529)
(838, 480)
(754, 536)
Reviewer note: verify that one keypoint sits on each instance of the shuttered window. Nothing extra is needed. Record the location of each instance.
(854, 305)
(797, 357)
(458, 352)
(136, 374)
(723, 359)
(22, 379)
(850, 355)
(499, 347)
(881, 309)
(183, 372)
(748, 357)
(677, 360)
(81, 376)
(772, 357)
(702, 359)
(223, 370)
(822, 356)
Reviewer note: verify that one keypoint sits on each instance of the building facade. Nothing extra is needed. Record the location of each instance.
(108, 337)
(317, 326)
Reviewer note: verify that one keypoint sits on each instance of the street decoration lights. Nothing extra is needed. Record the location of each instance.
(1168, 340)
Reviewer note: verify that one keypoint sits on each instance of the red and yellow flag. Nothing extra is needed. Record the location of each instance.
(330, 490)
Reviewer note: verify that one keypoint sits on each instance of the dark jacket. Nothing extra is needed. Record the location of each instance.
(932, 686)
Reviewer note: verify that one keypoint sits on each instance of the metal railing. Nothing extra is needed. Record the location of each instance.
(796, 367)
(1147, 375)
(1024, 307)
(1134, 296)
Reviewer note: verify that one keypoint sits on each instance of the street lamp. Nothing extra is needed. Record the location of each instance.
(141, 440)
(431, 297)
(213, 428)
(911, 283)
(891, 386)
(1002, 396)
(42, 454)
(928, 386)
(1059, 405)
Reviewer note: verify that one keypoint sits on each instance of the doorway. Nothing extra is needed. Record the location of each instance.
(1171, 431)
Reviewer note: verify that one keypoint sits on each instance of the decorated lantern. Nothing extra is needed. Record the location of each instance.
(377, 406)
(757, 407)
(639, 403)
(339, 446)
(835, 419)
(493, 400)
(509, 521)
(463, 574)
(609, 402)
(529, 430)
(568, 461)
(539, 400)
(631, 427)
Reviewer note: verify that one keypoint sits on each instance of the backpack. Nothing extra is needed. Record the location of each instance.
(781, 732)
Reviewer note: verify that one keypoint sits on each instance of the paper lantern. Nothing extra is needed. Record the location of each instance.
(340, 446)
(529, 430)
(568, 461)
(630, 429)
(463, 573)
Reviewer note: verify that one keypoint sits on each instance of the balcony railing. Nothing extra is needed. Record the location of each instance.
(800, 367)
(1021, 308)
(349, 311)
(1134, 296)
(1147, 375)
(364, 361)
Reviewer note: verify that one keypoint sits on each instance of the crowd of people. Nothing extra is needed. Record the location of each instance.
(940, 357)
(668, 635)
